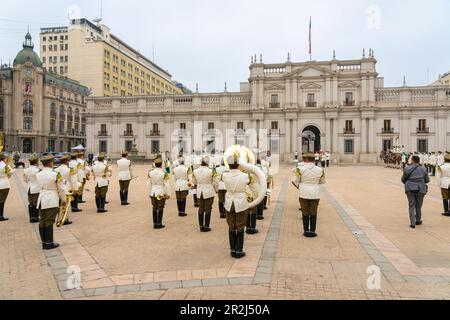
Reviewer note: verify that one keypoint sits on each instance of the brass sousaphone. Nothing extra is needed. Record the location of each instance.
(247, 163)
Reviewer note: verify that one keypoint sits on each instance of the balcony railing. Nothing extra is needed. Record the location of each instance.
(423, 130)
(102, 133)
(349, 130)
(211, 131)
(128, 133)
(155, 133)
(387, 130)
(311, 104)
(274, 105)
(274, 131)
(239, 131)
(349, 103)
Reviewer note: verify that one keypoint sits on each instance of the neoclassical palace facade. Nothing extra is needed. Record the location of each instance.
(340, 106)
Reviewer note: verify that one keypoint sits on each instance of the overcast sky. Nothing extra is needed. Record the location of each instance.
(211, 41)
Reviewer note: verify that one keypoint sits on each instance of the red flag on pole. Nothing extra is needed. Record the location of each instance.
(310, 39)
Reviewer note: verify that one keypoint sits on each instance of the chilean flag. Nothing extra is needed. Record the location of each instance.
(310, 38)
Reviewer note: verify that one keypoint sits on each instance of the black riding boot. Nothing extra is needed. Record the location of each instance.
(2, 209)
(97, 203)
(240, 244)
(313, 223)
(222, 210)
(251, 223)
(42, 234)
(121, 197)
(35, 216)
(160, 215)
(206, 228)
(49, 244)
(155, 218)
(446, 206)
(232, 238)
(195, 201)
(201, 219)
(179, 207)
(80, 200)
(125, 199)
(75, 204)
(103, 202)
(260, 212)
(265, 203)
(182, 209)
(306, 225)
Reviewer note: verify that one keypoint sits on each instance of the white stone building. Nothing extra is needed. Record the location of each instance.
(339, 106)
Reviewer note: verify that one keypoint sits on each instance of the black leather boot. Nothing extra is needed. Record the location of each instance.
(42, 234)
(206, 227)
(125, 199)
(2, 209)
(446, 212)
(75, 204)
(265, 203)
(35, 217)
(98, 204)
(160, 218)
(313, 223)
(155, 218)
(121, 197)
(103, 202)
(30, 212)
(232, 238)
(179, 207)
(49, 244)
(306, 225)
(183, 208)
(195, 201)
(260, 212)
(201, 219)
(80, 200)
(240, 244)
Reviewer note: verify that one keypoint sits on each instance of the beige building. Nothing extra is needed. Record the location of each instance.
(339, 106)
(92, 55)
(39, 111)
(444, 79)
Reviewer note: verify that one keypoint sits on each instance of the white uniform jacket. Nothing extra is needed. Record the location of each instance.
(444, 176)
(69, 177)
(236, 183)
(4, 179)
(205, 181)
(101, 174)
(51, 189)
(29, 176)
(308, 177)
(124, 168)
(81, 170)
(220, 171)
(158, 182)
(183, 176)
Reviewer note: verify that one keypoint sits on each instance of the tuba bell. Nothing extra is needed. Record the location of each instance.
(247, 163)
(64, 210)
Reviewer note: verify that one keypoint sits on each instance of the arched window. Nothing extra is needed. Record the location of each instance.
(62, 119)
(2, 115)
(69, 120)
(77, 120)
(28, 115)
(53, 116)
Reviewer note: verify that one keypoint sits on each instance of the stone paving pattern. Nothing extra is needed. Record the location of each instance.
(363, 221)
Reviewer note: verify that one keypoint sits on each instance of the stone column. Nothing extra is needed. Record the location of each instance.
(371, 136)
(295, 93)
(363, 136)
(335, 138)
(328, 135)
(287, 148)
(288, 92)
(294, 135)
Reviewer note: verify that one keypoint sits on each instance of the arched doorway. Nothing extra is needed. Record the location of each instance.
(311, 139)
(27, 146)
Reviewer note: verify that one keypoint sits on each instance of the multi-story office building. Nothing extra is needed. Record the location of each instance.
(339, 106)
(92, 55)
(40, 111)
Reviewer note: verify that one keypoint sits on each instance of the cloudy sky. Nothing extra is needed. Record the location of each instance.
(211, 41)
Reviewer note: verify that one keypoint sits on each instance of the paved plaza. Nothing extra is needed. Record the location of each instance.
(363, 222)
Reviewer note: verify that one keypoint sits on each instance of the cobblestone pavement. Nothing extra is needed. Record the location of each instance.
(363, 222)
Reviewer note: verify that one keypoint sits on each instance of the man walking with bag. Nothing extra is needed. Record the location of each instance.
(415, 178)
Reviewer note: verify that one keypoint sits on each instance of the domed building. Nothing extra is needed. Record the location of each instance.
(39, 111)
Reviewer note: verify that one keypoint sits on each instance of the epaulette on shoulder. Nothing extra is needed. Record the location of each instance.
(297, 172)
(250, 178)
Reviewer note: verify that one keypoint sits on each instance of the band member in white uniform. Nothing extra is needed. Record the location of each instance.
(222, 191)
(29, 176)
(125, 176)
(101, 172)
(183, 178)
(70, 180)
(158, 184)
(6, 172)
(74, 167)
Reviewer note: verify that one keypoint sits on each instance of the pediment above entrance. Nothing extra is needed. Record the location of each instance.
(348, 84)
(274, 87)
(310, 71)
(311, 85)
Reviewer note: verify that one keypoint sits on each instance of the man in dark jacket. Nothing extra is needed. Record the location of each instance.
(415, 178)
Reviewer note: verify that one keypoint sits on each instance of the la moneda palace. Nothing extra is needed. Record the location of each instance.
(340, 106)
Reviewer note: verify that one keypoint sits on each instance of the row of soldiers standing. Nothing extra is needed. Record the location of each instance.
(204, 178)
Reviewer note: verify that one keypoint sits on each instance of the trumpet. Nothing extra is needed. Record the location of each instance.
(8, 168)
(64, 210)
(160, 197)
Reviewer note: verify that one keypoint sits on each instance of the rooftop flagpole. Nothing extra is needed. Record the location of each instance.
(310, 39)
